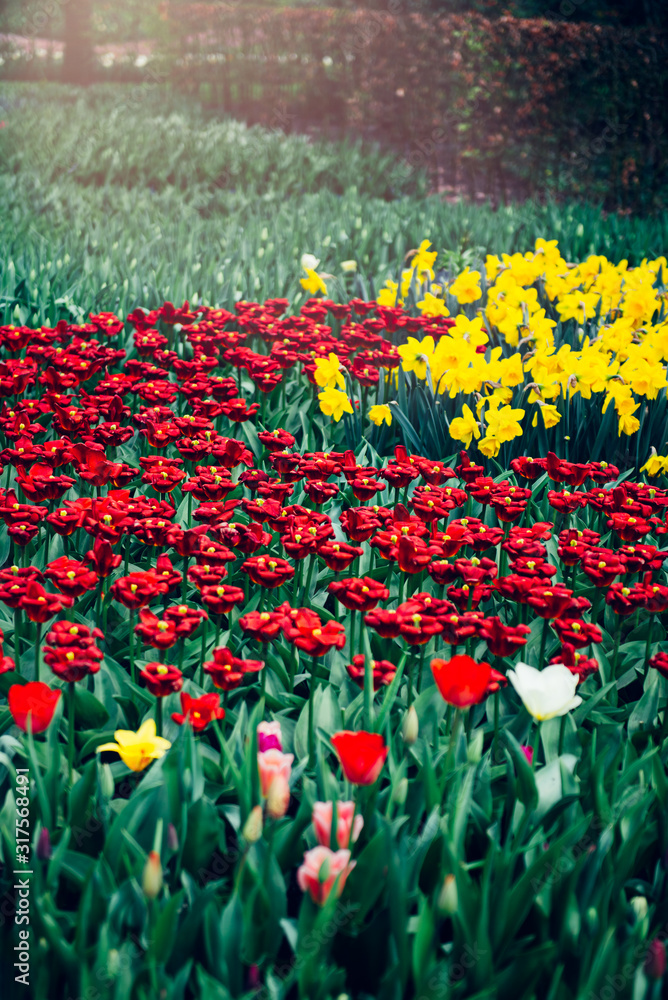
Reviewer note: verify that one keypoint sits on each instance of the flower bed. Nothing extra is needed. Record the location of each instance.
(300, 718)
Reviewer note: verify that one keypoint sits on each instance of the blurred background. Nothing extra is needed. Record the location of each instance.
(178, 149)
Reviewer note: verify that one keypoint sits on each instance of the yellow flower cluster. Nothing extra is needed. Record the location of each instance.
(618, 349)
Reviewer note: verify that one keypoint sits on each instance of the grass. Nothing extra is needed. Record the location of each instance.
(118, 196)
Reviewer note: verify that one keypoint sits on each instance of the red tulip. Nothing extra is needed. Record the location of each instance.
(36, 700)
(359, 594)
(227, 671)
(461, 680)
(162, 679)
(382, 670)
(199, 712)
(360, 754)
(138, 589)
(501, 639)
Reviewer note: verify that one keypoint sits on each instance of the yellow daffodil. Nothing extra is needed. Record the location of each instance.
(423, 260)
(379, 413)
(504, 423)
(548, 250)
(464, 428)
(550, 414)
(433, 306)
(334, 403)
(511, 371)
(416, 355)
(466, 287)
(490, 447)
(471, 330)
(328, 373)
(492, 267)
(655, 464)
(388, 296)
(313, 283)
(640, 304)
(628, 424)
(137, 750)
(578, 305)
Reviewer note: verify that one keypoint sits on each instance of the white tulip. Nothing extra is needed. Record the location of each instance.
(546, 693)
(309, 262)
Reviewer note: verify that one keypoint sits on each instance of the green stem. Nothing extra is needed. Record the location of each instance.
(98, 600)
(535, 745)
(293, 668)
(295, 582)
(615, 655)
(409, 678)
(456, 722)
(423, 649)
(17, 640)
(648, 645)
(468, 724)
(495, 742)
(368, 692)
(133, 672)
(543, 642)
(562, 732)
(184, 581)
(70, 727)
(311, 702)
(307, 585)
(158, 716)
(38, 648)
(202, 655)
(664, 727)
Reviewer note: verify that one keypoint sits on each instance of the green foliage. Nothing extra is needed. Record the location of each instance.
(71, 245)
(108, 136)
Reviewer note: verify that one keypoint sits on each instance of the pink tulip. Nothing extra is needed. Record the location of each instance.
(322, 823)
(278, 797)
(271, 764)
(319, 883)
(528, 753)
(269, 736)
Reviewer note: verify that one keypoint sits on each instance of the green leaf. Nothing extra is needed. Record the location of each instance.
(89, 713)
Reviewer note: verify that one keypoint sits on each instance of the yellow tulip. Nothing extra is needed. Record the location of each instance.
(137, 750)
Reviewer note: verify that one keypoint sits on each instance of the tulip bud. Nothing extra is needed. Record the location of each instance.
(655, 960)
(448, 898)
(474, 749)
(278, 798)
(172, 838)
(400, 791)
(113, 962)
(152, 877)
(252, 830)
(107, 784)
(639, 906)
(411, 726)
(592, 921)
(44, 845)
